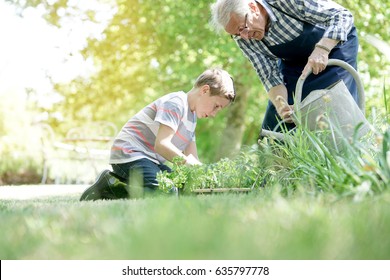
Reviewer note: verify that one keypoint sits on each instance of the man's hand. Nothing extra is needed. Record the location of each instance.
(316, 63)
(284, 110)
(278, 97)
(318, 60)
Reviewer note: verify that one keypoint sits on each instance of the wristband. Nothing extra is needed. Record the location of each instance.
(322, 47)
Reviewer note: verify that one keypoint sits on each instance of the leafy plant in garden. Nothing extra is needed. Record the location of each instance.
(241, 172)
(301, 162)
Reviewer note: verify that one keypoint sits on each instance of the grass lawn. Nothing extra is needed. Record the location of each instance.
(259, 225)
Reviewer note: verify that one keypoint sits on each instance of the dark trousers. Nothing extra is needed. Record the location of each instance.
(144, 169)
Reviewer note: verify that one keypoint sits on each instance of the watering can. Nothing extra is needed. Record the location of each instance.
(331, 110)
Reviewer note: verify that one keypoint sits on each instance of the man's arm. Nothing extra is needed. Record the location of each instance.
(338, 22)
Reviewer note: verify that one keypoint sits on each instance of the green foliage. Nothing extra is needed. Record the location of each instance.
(240, 172)
(374, 56)
(304, 162)
(150, 48)
(20, 147)
(299, 163)
(16, 170)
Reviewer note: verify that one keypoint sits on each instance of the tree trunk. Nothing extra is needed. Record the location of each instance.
(235, 125)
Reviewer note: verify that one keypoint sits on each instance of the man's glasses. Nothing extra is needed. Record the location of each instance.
(243, 32)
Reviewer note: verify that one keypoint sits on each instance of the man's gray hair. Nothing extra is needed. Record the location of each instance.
(221, 11)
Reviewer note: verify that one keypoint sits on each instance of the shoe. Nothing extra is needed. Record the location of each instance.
(94, 191)
(117, 188)
(107, 186)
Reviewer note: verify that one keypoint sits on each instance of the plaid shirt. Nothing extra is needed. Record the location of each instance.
(336, 20)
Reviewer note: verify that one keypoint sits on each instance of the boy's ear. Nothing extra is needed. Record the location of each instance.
(205, 89)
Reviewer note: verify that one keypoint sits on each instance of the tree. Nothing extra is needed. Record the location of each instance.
(150, 48)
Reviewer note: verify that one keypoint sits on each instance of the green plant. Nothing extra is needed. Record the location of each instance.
(304, 161)
(242, 171)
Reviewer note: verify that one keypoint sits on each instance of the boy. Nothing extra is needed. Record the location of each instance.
(160, 132)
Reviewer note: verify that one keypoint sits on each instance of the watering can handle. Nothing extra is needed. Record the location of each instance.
(346, 66)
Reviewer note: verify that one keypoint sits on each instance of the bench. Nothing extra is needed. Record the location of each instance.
(79, 156)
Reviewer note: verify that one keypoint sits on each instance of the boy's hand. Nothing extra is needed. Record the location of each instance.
(191, 160)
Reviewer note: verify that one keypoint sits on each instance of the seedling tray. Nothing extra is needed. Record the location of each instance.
(222, 190)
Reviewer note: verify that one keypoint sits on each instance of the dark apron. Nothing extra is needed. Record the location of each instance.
(293, 58)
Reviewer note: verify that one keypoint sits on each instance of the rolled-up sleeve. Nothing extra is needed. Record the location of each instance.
(337, 20)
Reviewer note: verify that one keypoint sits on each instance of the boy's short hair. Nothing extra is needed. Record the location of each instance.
(219, 81)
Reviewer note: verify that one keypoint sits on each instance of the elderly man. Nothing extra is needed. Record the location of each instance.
(285, 40)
